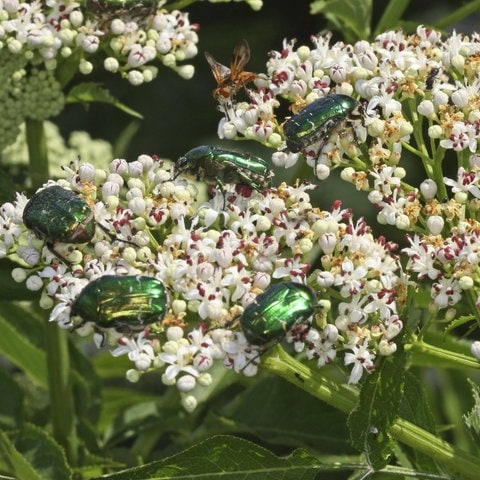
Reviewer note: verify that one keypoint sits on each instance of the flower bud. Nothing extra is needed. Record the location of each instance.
(189, 403)
(132, 375)
(435, 224)
(465, 282)
(186, 383)
(111, 64)
(143, 362)
(174, 334)
(428, 188)
(426, 108)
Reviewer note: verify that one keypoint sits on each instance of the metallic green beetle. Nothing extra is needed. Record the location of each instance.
(221, 166)
(276, 311)
(318, 120)
(56, 214)
(126, 303)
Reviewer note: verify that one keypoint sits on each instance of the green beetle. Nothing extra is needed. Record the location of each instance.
(319, 120)
(56, 214)
(216, 165)
(125, 303)
(276, 311)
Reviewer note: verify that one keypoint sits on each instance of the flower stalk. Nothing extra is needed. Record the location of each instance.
(37, 151)
(62, 412)
(344, 398)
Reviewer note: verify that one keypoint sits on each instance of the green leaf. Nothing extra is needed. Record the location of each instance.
(351, 17)
(377, 410)
(124, 139)
(267, 411)
(472, 419)
(93, 92)
(458, 322)
(392, 14)
(11, 405)
(86, 383)
(33, 454)
(229, 458)
(12, 462)
(18, 348)
(415, 408)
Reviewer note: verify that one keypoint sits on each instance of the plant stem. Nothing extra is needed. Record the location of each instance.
(60, 388)
(436, 354)
(58, 361)
(37, 152)
(345, 398)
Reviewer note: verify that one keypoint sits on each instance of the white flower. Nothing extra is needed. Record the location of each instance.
(180, 361)
(467, 182)
(462, 136)
(446, 292)
(361, 359)
(139, 350)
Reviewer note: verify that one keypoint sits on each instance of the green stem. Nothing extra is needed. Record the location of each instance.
(452, 359)
(179, 5)
(457, 15)
(58, 363)
(60, 388)
(345, 399)
(313, 382)
(437, 449)
(438, 177)
(37, 152)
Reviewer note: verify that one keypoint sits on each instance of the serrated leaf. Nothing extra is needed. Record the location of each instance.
(472, 419)
(89, 92)
(415, 408)
(227, 457)
(352, 17)
(377, 409)
(458, 322)
(13, 462)
(33, 454)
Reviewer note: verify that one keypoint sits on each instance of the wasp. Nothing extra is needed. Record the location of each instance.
(230, 80)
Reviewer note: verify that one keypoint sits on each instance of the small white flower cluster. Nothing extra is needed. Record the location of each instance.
(420, 96)
(100, 31)
(403, 82)
(214, 258)
(450, 261)
(43, 44)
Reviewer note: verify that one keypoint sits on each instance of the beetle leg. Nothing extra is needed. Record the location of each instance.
(51, 247)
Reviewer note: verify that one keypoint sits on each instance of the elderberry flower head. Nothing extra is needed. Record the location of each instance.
(415, 96)
(45, 44)
(214, 258)
(394, 79)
